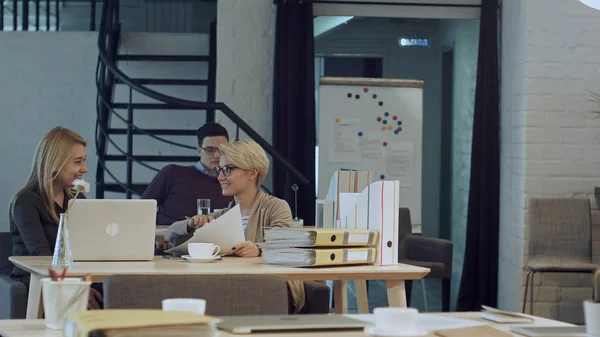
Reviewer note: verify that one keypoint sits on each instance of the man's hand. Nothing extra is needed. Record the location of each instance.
(198, 221)
(246, 249)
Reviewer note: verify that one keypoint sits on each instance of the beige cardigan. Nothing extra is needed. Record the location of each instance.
(267, 212)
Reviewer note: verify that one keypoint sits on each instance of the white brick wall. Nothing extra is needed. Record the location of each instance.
(549, 135)
(246, 33)
(245, 49)
(512, 180)
(47, 80)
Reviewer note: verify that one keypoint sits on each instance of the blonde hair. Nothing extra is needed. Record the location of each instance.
(51, 155)
(247, 155)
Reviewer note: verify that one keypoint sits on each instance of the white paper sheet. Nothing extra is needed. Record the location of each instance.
(370, 148)
(400, 163)
(226, 231)
(343, 142)
(347, 202)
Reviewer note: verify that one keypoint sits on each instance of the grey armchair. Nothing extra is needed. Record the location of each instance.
(225, 295)
(435, 254)
(12, 292)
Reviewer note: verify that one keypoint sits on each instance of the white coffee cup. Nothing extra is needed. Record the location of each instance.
(195, 305)
(591, 311)
(393, 319)
(203, 250)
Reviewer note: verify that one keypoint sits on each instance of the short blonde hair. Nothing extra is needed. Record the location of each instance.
(247, 155)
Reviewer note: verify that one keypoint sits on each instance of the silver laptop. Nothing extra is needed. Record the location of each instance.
(106, 229)
(554, 331)
(290, 323)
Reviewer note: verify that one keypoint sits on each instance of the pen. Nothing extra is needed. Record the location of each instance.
(63, 274)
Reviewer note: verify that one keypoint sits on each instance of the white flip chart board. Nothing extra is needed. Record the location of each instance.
(376, 125)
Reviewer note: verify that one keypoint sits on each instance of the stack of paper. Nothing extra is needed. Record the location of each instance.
(298, 257)
(320, 237)
(310, 247)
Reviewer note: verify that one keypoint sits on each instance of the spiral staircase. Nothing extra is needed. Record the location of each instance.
(125, 95)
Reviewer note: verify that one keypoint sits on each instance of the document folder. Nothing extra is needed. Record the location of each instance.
(298, 257)
(320, 237)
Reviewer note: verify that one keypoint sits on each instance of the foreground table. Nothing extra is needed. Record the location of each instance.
(37, 328)
(394, 276)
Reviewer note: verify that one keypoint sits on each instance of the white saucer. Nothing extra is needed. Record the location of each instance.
(201, 259)
(406, 333)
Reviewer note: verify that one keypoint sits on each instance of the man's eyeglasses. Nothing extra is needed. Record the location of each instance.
(225, 169)
(210, 149)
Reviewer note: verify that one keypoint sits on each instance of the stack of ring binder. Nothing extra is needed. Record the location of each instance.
(313, 247)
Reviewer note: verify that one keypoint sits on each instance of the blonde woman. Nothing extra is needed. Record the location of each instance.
(34, 211)
(241, 171)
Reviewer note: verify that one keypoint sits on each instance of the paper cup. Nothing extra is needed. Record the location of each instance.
(66, 296)
(195, 305)
(592, 318)
(392, 318)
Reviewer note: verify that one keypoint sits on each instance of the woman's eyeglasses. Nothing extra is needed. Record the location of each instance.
(225, 169)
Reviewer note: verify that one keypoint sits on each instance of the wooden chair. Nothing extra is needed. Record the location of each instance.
(560, 239)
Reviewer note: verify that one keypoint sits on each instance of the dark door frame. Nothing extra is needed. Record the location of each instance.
(447, 148)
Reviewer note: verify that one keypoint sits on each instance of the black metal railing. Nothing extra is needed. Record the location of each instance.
(39, 15)
(108, 74)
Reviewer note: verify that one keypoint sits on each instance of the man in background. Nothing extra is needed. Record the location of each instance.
(176, 188)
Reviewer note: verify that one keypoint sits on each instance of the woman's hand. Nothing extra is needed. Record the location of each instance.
(161, 245)
(246, 249)
(198, 221)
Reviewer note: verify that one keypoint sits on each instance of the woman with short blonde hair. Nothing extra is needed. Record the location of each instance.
(247, 155)
(241, 171)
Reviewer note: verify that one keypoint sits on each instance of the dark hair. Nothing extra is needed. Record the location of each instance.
(211, 129)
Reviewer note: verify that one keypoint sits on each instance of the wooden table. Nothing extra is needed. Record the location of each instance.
(393, 275)
(37, 328)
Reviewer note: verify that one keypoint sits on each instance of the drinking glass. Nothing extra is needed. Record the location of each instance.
(203, 206)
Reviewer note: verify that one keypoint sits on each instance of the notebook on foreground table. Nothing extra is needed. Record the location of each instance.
(304, 323)
(554, 331)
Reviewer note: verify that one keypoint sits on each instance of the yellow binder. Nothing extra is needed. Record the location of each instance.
(320, 237)
(318, 257)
